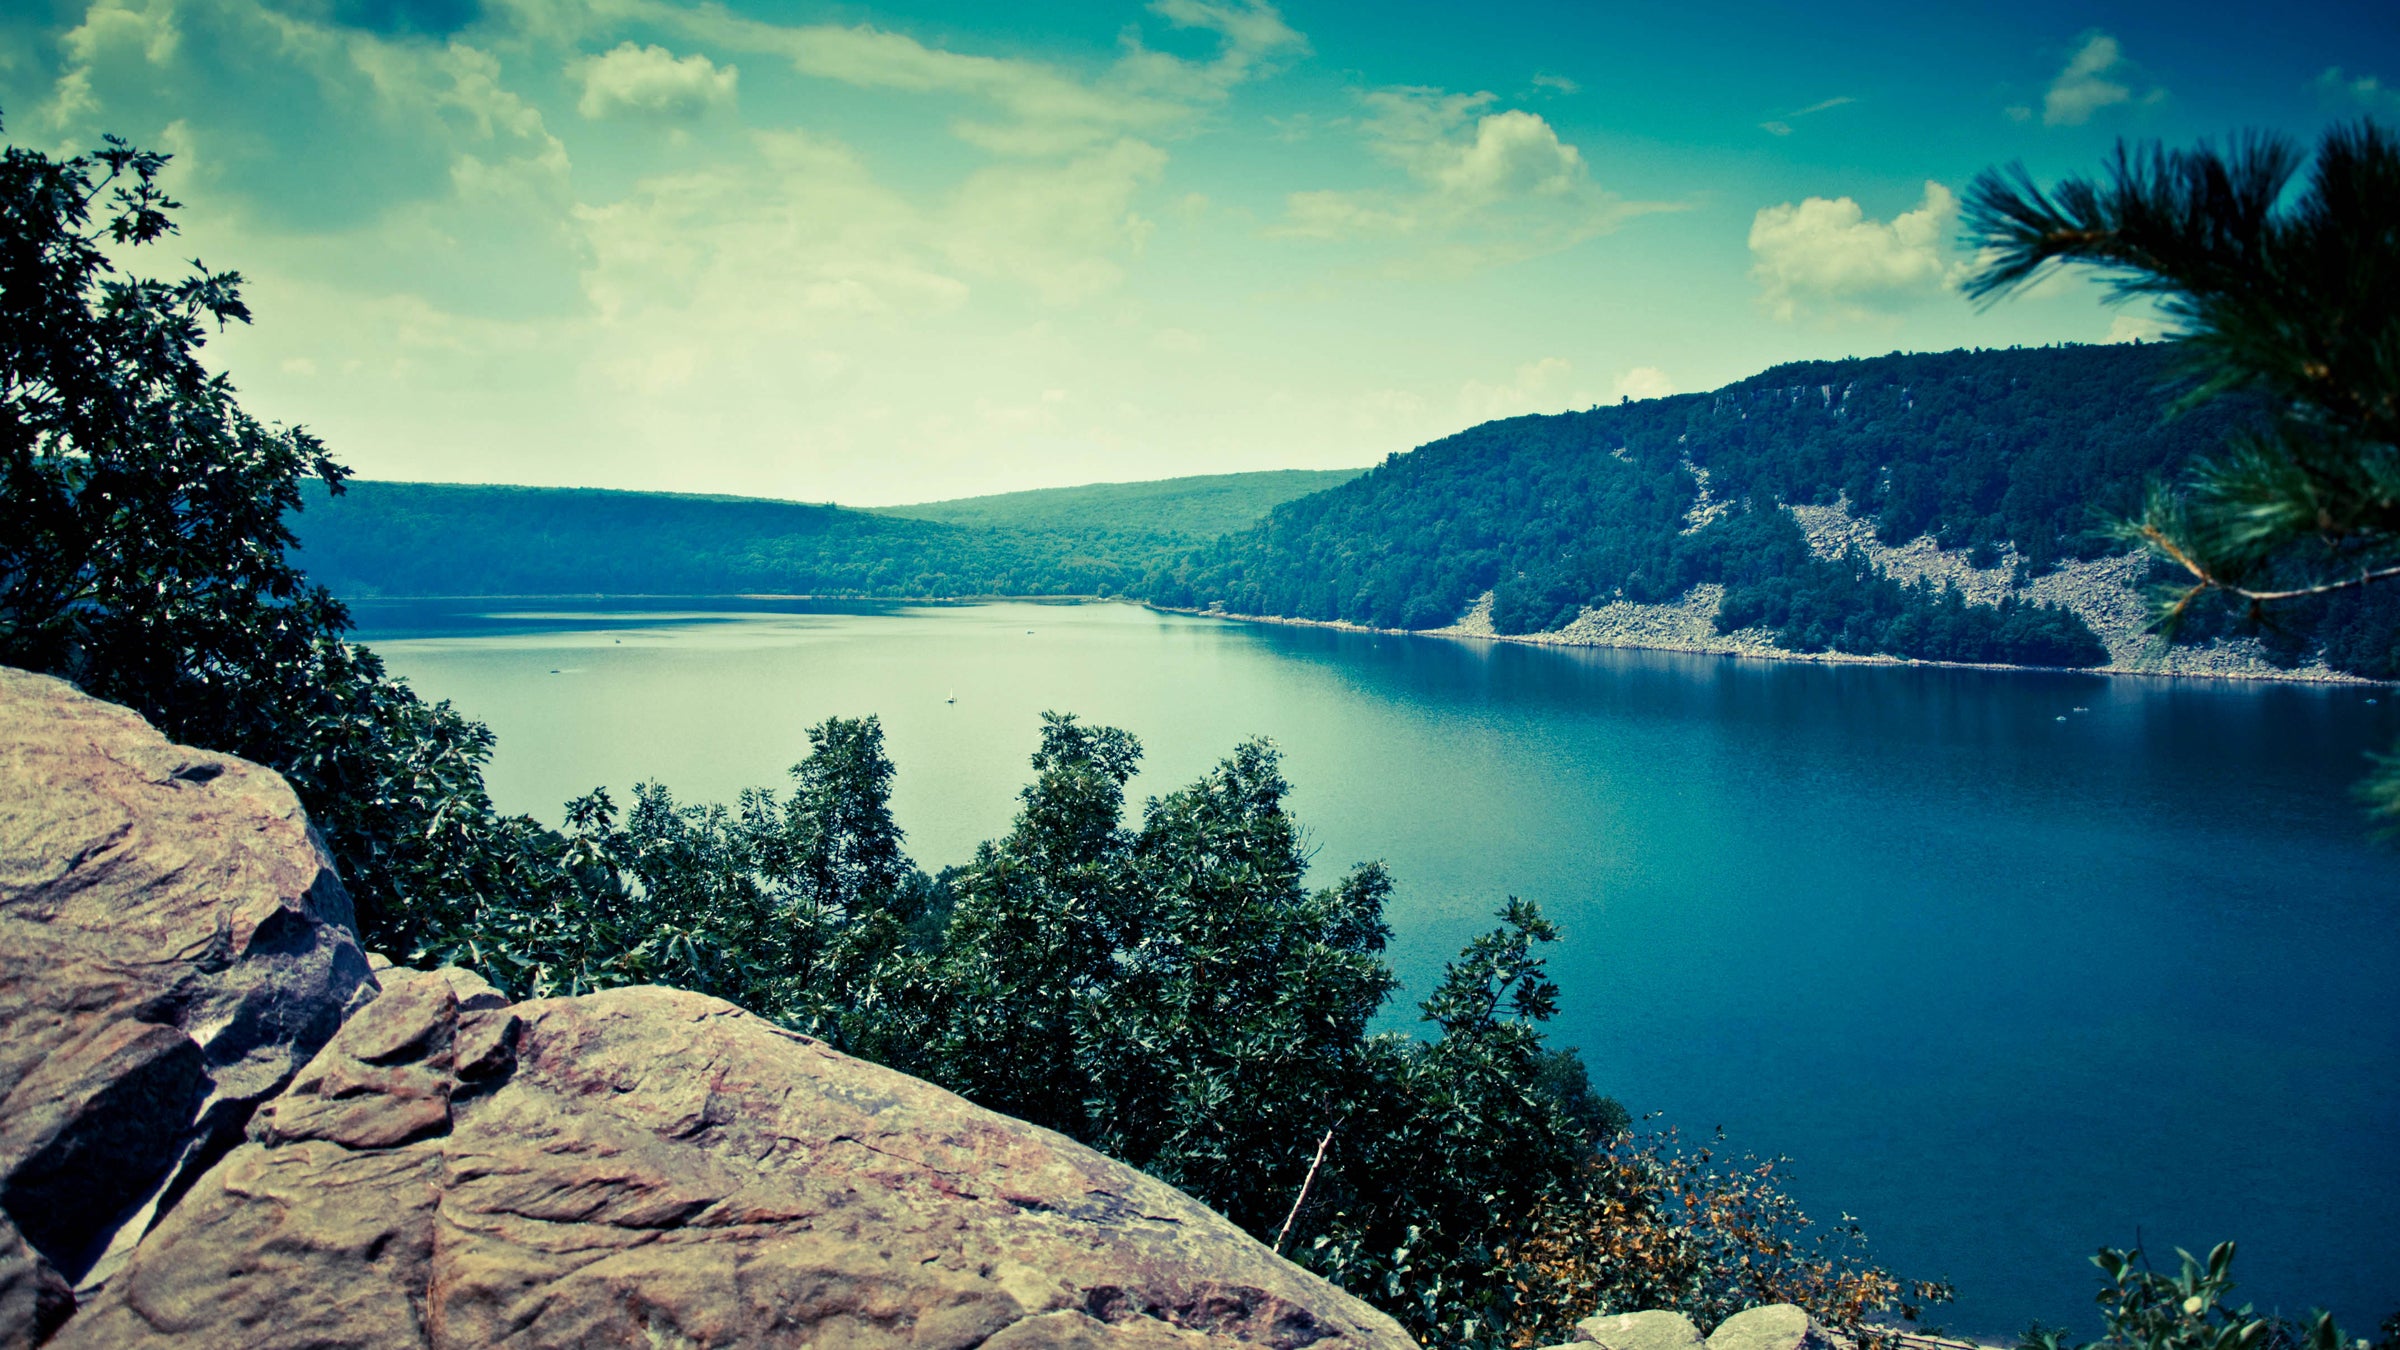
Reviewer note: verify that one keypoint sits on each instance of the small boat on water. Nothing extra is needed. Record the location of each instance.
(953, 697)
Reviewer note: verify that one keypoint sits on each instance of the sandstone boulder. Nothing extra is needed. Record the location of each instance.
(1777, 1326)
(174, 946)
(1639, 1331)
(647, 1167)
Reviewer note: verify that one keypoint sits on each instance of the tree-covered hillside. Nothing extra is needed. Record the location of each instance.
(1197, 508)
(1983, 449)
(420, 539)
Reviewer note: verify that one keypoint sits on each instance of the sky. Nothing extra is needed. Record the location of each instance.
(878, 253)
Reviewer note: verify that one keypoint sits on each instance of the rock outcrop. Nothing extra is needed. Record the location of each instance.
(1777, 1326)
(653, 1167)
(1773, 1326)
(34, 1298)
(1639, 1331)
(174, 946)
(224, 1132)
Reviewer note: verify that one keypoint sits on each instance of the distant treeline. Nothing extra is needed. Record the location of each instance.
(1982, 449)
(422, 539)
(1195, 510)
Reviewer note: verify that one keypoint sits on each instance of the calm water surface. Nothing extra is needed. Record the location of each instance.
(2007, 988)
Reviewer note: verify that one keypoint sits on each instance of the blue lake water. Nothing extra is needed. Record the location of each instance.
(2006, 988)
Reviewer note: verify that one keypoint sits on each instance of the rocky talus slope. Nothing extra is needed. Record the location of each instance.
(219, 1128)
(2106, 593)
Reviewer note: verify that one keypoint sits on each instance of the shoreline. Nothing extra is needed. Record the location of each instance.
(1734, 646)
(1474, 627)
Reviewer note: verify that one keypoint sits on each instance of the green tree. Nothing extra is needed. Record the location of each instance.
(146, 559)
(1031, 928)
(1457, 1143)
(1234, 1031)
(797, 908)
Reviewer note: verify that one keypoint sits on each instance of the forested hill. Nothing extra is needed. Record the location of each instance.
(1198, 509)
(423, 539)
(426, 539)
(1989, 451)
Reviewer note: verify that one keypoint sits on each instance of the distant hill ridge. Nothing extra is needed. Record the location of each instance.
(1198, 508)
(449, 539)
(1612, 526)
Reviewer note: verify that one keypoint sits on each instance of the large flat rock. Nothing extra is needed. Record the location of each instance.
(649, 1167)
(174, 946)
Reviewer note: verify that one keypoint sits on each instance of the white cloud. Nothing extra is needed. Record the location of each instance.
(652, 81)
(1643, 382)
(112, 32)
(1824, 255)
(2095, 77)
(798, 232)
(1488, 186)
(1043, 109)
(1538, 387)
(2357, 91)
(1782, 126)
(1060, 228)
(1253, 31)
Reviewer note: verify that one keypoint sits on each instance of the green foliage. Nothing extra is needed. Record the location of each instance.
(799, 908)
(2147, 1310)
(145, 555)
(1456, 1142)
(1984, 450)
(1194, 510)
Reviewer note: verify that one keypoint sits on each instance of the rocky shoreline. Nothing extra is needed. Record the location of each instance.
(2103, 592)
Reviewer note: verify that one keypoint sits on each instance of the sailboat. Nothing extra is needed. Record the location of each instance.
(953, 697)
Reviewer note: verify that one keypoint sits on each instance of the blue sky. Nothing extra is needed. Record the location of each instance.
(876, 253)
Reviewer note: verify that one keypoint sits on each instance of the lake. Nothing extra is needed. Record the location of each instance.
(2005, 987)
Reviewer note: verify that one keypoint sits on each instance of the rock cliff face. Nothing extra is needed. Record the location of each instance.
(642, 1167)
(173, 947)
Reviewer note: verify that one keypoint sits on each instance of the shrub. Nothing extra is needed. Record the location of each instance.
(1651, 1223)
(2147, 1310)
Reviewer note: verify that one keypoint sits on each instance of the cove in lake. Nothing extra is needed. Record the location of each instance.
(2006, 987)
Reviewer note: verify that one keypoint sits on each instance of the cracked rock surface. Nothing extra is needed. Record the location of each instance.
(649, 1167)
(173, 947)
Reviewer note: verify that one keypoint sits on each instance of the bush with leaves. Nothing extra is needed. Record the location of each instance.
(1652, 1223)
(2146, 1309)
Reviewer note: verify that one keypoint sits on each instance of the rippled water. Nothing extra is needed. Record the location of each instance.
(2006, 987)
